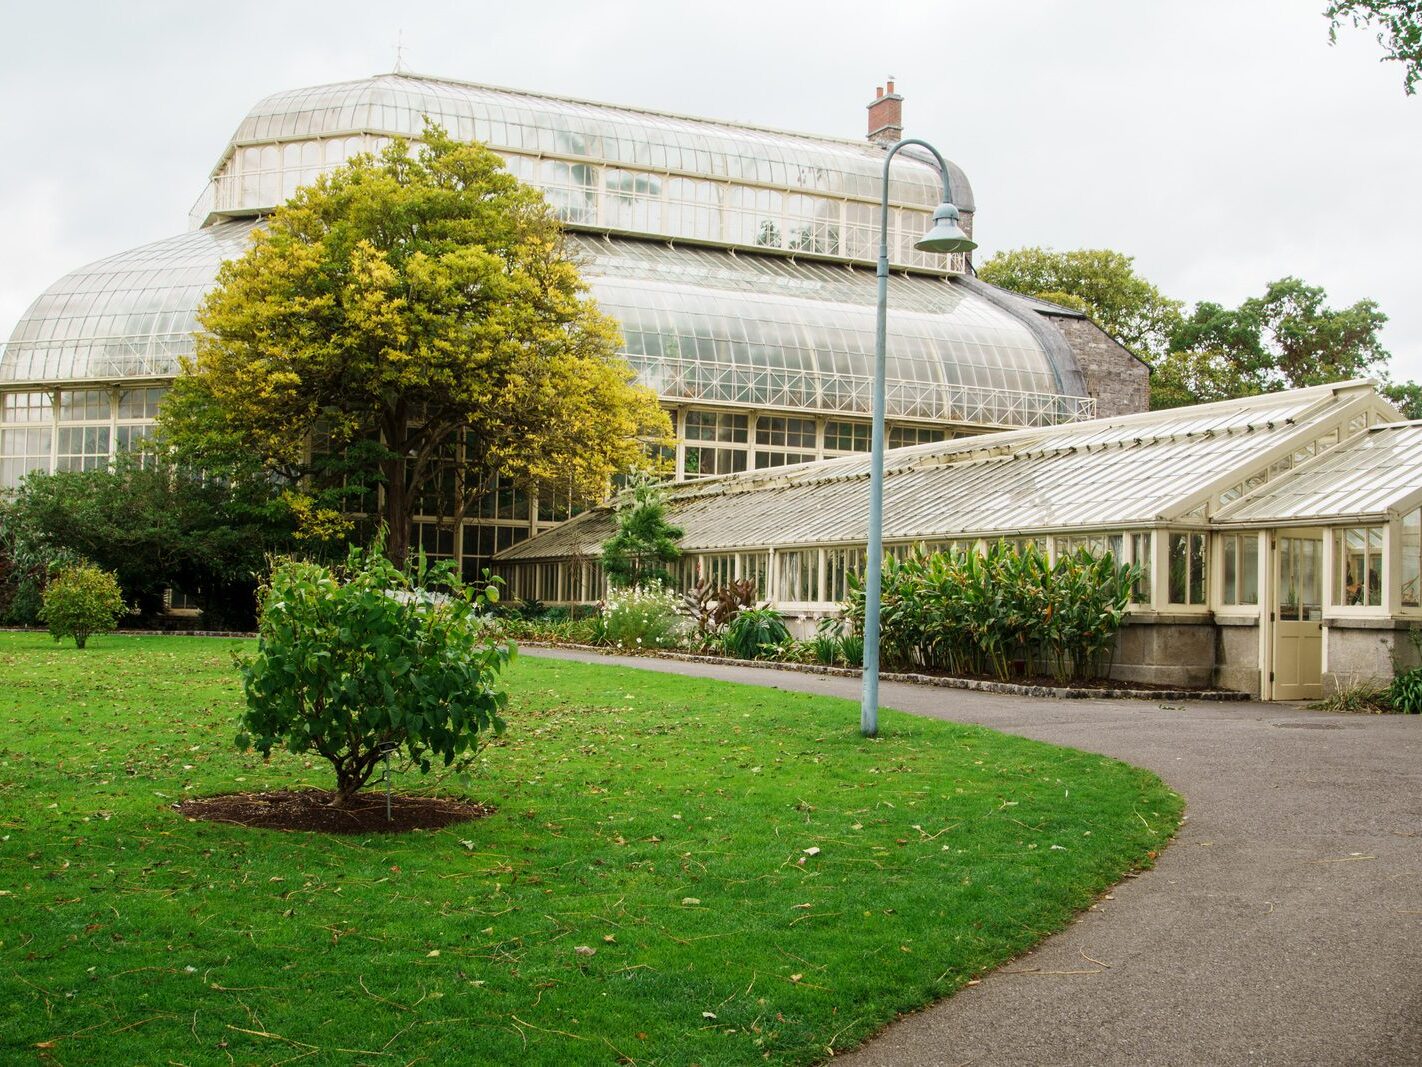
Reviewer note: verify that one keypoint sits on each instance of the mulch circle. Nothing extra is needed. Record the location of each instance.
(310, 809)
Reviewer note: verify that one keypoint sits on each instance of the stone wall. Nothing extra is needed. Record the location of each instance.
(1118, 380)
(1166, 650)
(1237, 656)
(1365, 651)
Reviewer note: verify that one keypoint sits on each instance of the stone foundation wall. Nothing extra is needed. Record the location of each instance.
(1365, 651)
(1237, 656)
(1166, 650)
(1118, 380)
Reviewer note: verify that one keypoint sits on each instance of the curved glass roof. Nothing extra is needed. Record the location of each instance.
(395, 104)
(767, 331)
(701, 325)
(128, 316)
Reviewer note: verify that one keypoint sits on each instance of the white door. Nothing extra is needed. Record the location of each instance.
(1298, 616)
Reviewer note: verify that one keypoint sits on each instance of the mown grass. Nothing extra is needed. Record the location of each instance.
(661, 821)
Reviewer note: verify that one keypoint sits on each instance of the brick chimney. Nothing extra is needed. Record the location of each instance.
(886, 116)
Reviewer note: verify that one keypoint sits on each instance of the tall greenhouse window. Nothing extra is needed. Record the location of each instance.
(800, 575)
(1188, 558)
(1412, 558)
(756, 566)
(1358, 566)
(840, 563)
(1241, 568)
(1141, 557)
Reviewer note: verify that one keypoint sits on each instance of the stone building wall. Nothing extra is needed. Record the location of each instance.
(1118, 380)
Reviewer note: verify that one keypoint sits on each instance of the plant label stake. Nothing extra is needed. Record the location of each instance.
(387, 747)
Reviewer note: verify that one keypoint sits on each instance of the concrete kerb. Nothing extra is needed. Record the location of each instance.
(977, 684)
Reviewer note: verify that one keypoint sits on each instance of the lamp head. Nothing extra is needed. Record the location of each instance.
(946, 235)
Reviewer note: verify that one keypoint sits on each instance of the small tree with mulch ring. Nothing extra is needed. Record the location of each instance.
(354, 666)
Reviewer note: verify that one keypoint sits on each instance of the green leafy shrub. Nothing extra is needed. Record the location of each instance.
(351, 666)
(1003, 613)
(80, 602)
(641, 617)
(755, 633)
(1405, 693)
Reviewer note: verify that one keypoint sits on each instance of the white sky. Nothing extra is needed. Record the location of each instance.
(1222, 143)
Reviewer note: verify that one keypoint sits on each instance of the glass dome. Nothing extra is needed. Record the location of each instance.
(131, 315)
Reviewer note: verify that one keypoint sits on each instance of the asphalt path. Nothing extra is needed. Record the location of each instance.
(1283, 926)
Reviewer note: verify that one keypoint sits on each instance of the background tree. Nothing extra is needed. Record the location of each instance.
(1102, 283)
(157, 525)
(1285, 339)
(419, 309)
(1399, 31)
(644, 545)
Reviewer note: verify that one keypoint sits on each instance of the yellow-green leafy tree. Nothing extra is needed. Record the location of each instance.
(400, 332)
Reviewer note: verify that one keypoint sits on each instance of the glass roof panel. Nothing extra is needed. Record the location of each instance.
(1012, 483)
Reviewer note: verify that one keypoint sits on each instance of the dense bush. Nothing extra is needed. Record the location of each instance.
(1004, 613)
(640, 617)
(755, 633)
(80, 602)
(351, 666)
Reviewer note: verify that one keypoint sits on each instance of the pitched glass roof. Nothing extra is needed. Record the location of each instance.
(1367, 475)
(397, 103)
(1135, 470)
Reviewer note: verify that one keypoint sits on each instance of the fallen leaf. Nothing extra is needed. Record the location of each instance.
(796, 977)
(708, 1015)
(689, 901)
(813, 850)
(585, 950)
(432, 953)
(609, 939)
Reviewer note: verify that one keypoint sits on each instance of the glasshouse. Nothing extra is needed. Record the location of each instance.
(738, 260)
(1279, 537)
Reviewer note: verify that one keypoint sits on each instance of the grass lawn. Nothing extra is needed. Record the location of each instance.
(662, 822)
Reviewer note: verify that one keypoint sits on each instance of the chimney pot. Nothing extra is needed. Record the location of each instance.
(891, 85)
(878, 92)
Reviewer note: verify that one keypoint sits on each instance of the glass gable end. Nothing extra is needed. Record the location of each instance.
(603, 167)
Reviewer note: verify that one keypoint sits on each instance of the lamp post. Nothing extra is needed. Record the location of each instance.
(945, 236)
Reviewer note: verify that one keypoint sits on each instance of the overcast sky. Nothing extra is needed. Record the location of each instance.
(1222, 143)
